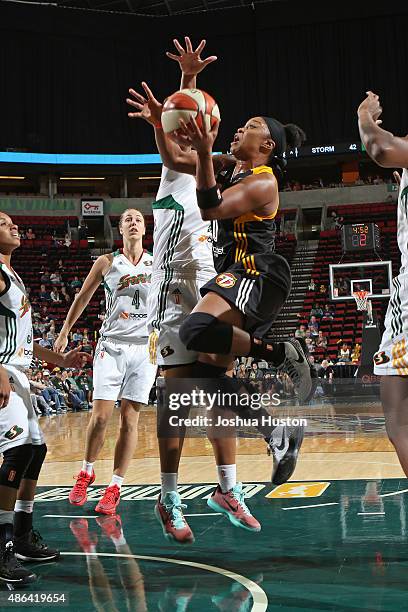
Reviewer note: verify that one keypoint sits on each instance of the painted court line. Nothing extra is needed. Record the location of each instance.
(259, 597)
(205, 514)
(394, 493)
(368, 513)
(73, 516)
(311, 506)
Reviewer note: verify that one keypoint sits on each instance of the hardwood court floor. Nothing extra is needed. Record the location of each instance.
(350, 448)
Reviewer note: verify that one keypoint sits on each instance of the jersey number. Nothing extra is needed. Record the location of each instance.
(136, 300)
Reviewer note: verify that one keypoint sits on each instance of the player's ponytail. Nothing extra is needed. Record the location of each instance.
(295, 136)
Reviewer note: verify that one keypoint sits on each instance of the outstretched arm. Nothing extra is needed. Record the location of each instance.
(383, 147)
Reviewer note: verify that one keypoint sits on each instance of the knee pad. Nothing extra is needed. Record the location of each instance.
(38, 454)
(15, 462)
(206, 334)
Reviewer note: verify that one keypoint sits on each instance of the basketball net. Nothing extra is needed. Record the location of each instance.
(363, 304)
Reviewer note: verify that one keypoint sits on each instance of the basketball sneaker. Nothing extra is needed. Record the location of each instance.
(11, 570)
(232, 504)
(111, 525)
(77, 495)
(85, 539)
(297, 367)
(109, 501)
(31, 547)
(169, 513)
(284, 444)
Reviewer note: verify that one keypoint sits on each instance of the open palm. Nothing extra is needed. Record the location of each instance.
(148, 108)
(189, 59)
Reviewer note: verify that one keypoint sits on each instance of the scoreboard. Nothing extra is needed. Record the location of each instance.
(360, 237)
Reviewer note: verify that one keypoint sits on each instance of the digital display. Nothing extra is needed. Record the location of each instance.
(360, 237)
(328, 149)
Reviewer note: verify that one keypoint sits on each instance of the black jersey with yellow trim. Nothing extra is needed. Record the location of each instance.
(240, 238)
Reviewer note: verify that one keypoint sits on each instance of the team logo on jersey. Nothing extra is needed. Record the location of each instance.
(127, 280)
(133, 315)
(176, 296)
(25, 306)
(380, 358)
(124, 315)
(166, 352)
(226, 280)
(148, 262)
(12, 383)
(24, 351)
(13, 432)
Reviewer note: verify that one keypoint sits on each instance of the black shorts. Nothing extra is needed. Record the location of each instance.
(257, 286)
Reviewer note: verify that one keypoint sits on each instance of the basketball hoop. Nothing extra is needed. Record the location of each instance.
(361, 298)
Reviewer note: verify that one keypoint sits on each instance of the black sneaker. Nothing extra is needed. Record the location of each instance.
(297, 366)
(31, 547)
(11, 571)
(284, 444)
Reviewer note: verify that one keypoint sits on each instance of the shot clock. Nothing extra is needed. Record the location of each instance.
(360, 237)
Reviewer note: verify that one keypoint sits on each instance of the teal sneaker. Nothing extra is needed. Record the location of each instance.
(169, 513)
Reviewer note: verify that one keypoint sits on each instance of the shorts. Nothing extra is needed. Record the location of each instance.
(172, 297)
(258, 286)
(18, 421)
(391, 359)
(122, 371)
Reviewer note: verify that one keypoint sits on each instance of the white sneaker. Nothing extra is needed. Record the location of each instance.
(297, 367)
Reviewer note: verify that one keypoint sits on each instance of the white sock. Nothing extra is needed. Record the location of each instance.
(116, 480)
(87, 467)
(22, 505)
(227, 476)
(168, 482)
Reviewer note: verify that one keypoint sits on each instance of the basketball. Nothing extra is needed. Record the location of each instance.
(188, 103)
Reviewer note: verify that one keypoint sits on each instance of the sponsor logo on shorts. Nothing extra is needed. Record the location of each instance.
(13, 432)
(11, 476)
(218, 251)
(25, 306)
(226, 280)
(166, 351)
(176, 296)
(380, 358)
(24, 351)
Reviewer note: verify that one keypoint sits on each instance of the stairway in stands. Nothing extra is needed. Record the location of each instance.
(301, 267)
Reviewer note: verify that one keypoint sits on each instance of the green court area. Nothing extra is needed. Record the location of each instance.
(338, 545)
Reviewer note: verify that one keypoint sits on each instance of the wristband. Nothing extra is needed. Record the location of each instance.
(209, 198)
(158, 126)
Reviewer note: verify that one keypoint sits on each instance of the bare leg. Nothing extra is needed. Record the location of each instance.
(127, 439)
(8, 497)
(95, 433)
(394, 397)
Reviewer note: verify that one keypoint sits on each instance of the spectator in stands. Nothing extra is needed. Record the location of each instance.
(322, 288)
(341, 285)
(50, 394)
(313, 326)
(55, 278)
(55, 296)
(71, 389)
(61, 267)
(67, 241)
(77, 336)
(51, 333)
(76, 292)
(312, 285)
(85, 383)
(301, 332)
(325, 371)
(65, 297)
(344, 353)
(45, 277)
(83, 230)
(87, 347)
(317, 311)
(328, 312)
(321, 340)
(30, 234)
(76, 283)
(57, 396)
(45, 342)
(309, 341)
(44, 295)
(336, 221)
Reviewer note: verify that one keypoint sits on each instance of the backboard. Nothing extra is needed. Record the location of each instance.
(372, 276)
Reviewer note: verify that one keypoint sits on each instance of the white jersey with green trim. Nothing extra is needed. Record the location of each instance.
(402, 231)
(126, 288)
(16, 329)
(181, 239)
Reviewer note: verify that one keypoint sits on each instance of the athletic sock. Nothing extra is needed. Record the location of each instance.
(168, 483)
(275, 354)
(87, 467)
(6, 525)
(116, 480)
(227, 476)
(23, 517)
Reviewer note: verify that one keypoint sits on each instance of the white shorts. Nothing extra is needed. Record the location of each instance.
(391, 359)
(18, 421)
(171, 299)
(122, 370)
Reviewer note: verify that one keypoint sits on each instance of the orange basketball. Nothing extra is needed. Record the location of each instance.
(188, 103)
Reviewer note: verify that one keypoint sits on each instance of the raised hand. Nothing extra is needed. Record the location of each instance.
(201, 139)
(148, 108)
(372, 106)
(189, 59)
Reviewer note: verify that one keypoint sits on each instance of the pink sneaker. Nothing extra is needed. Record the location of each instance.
(169, 513)
(77, 495)
(109, 501)
(232, 504)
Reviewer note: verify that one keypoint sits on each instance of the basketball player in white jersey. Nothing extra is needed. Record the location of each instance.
(391, 360)
(176, 240)
(122, 369)
(21, 440)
